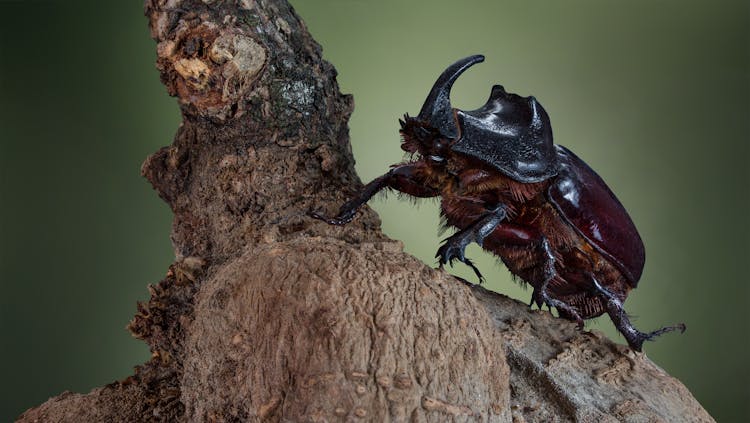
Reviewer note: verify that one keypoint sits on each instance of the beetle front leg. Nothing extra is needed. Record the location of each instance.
(455, 245)
(404, 178)
(617, 313)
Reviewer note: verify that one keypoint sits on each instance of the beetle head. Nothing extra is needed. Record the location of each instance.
(511, 133)
(421, 138)
(434, 129)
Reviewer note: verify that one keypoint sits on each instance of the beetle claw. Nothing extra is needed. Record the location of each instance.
(536, 298)
(455, 249)
(540, 297)
(636, 338)
(475, 269)
(338, 220)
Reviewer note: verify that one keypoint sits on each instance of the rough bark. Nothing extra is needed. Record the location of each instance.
(269, 315)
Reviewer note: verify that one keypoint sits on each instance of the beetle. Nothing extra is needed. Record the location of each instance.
(506, 186)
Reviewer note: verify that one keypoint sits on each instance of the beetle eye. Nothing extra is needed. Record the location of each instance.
(441, 144)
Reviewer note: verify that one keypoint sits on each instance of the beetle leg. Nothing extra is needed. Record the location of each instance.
(404, 178)
(617, 313)
(454, 246)
(540, 295)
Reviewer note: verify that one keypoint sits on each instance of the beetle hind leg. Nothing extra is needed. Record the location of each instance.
(622, 322)
(540, 296)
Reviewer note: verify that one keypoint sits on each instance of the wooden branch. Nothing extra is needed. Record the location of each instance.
(269, 315)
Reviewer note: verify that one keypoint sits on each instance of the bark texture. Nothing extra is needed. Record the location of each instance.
(269, 315)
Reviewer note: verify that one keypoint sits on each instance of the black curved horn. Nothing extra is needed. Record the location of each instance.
(437, 108)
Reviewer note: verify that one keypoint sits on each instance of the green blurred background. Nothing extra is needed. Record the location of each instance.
(653, 95)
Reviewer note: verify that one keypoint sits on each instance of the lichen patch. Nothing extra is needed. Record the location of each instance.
(298, 95)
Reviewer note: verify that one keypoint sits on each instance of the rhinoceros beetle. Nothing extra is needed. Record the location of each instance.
(504, 184)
